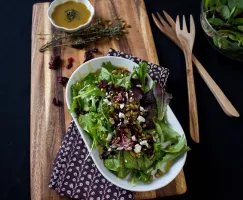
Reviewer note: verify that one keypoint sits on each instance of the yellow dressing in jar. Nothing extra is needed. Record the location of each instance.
(71, 14)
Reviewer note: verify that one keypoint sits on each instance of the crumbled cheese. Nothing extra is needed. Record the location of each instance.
(109, 149)
(134, 138)
(121, 115)
(131, 99)
(126, 121)
(107, 102)
(125, 161)
(106, 93)
(137, 148)
(141, 109)
(138, 85)
(108, 96)
(122, 105)
(122, 75)
(144, 143)
(126, 94)
(119, 148)
(140, 119)
(109, 137)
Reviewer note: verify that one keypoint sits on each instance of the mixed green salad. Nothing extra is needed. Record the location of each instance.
(226, 17)
(125, 115)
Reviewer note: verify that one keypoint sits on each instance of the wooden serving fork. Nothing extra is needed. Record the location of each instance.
(169, 30)
(187, 40)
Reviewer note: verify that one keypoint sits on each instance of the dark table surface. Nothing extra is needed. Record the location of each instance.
(214, 168)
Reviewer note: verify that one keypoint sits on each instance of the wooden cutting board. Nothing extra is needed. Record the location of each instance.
(48, 122)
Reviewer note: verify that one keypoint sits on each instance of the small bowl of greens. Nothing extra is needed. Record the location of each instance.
(222, 22)
(127, 125)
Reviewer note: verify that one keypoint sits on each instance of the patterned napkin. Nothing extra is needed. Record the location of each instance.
(74, 178)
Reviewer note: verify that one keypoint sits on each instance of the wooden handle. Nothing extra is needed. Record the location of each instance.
(192, 99)
(223, 101)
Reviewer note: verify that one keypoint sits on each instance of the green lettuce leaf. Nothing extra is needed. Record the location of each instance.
(224, 12)
(105, 75)
(116, 164)
(141, 73)
(171, 156)
(95, 125)
(124, 81)
(112, 164)
(108, 66)
(215, 21)
(177, 146)
(141, 176)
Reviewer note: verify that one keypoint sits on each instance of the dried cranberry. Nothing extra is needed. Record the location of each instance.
(62, 80)
(69, 66)
(70, 60)
(88, 54)
(55, 62)
(56, 102)
(102, 84)
(70, 63)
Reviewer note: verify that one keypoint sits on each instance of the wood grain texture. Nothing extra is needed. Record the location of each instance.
(48, 122)
(187, 41)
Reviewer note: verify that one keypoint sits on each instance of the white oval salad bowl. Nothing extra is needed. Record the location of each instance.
(92, 66)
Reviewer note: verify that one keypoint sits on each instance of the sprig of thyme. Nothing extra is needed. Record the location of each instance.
(97, 30)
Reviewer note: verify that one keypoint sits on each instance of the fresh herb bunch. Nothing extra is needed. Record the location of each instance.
(97, 30)
(226, 17)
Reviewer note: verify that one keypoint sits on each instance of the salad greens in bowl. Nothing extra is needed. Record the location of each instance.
(222, 22)
(123, 116)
